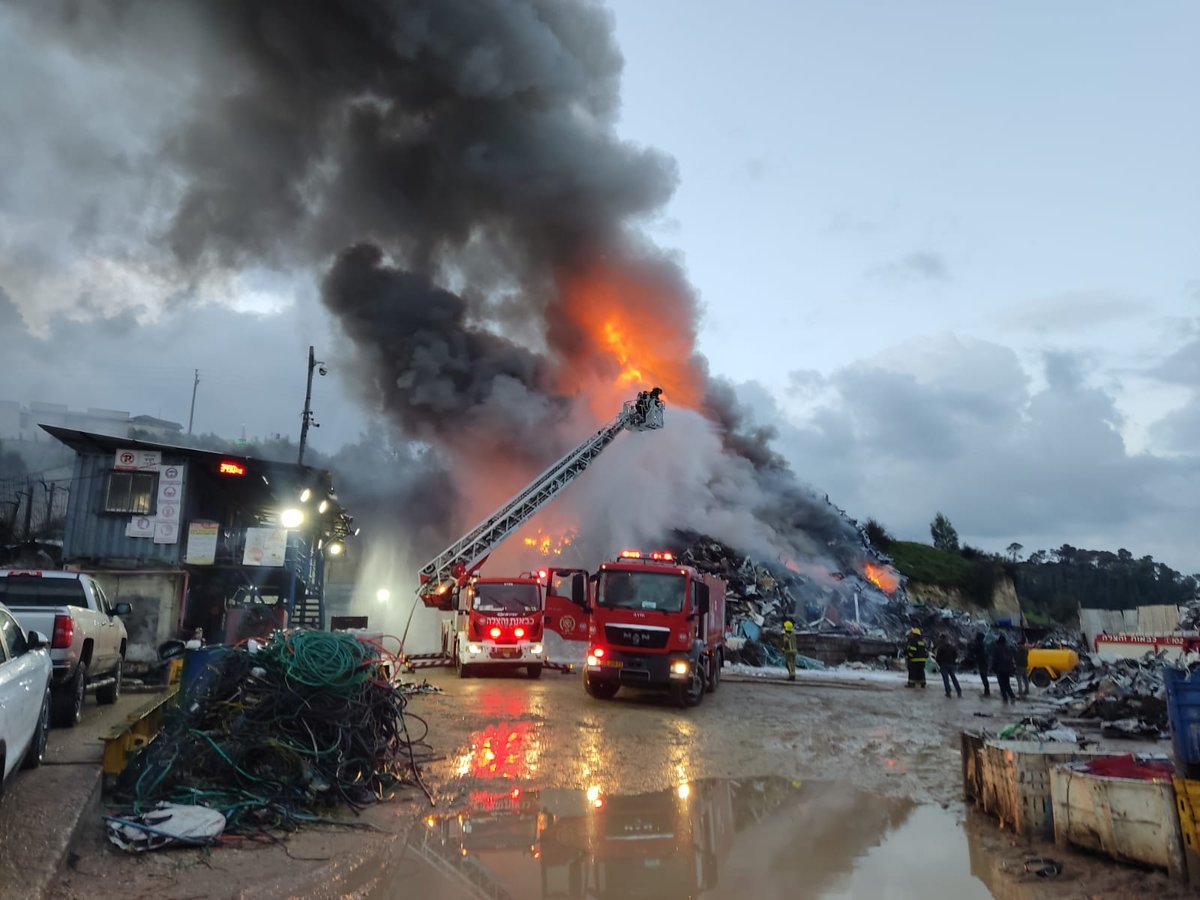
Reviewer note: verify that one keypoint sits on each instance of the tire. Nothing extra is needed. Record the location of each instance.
(603, 690)
(110, 692)
(714, 676)
(67, 702)
(534, 671)
(691, 693)
(1040, 677)
(36, 752)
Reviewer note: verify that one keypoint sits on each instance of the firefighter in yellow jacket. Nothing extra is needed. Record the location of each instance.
(789, 649)
(917, 654)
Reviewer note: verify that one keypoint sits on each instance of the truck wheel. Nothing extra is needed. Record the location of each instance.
(691, 693)
(464, 670)
(534, 671)
(1040, 677)
(714, 675)
(110, 692)
(67, 700)
(37, 746)
(601, 690)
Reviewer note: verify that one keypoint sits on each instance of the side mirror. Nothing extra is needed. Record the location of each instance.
(122, 609)
(36, 640)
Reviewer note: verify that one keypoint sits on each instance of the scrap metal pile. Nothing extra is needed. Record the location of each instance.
(1127, 695)
(277, 735)
(760, 596)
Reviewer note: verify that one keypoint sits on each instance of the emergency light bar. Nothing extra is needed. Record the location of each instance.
(658, 555)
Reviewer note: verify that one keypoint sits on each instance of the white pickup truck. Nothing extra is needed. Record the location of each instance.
(87, 639)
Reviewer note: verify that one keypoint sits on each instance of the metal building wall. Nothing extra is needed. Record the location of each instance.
(92, 534)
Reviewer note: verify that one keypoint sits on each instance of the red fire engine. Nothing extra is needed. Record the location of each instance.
(498, 623)
(655, 624)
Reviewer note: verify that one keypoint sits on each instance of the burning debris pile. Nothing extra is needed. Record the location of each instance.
(825, 606)
(271, 737)
(1127, 695)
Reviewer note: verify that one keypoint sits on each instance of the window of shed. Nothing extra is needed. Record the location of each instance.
(130, 492)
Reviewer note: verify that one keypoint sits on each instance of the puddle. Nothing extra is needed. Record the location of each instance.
(750, 838)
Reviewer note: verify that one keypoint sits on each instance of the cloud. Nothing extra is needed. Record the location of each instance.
(964, 429)
(1179, 430)
(252, 369)
(921, 266)
(844, 223)
(1072, 312)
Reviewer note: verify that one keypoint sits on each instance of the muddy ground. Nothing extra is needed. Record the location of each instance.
(817, 789)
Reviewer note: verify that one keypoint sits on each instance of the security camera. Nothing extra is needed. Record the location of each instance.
(323, 370)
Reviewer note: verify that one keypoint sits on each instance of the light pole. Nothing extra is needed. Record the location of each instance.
(307, 416)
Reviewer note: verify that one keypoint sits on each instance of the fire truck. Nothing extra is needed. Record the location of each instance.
(498, 623)
(655, 624)
(450, 581)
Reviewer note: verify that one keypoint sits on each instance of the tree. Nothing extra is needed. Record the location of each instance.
(1014, 551)
(944, 535)
(878, 535)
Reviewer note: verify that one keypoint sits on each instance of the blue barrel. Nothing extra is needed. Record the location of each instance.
(196, 664)
(1183, 712)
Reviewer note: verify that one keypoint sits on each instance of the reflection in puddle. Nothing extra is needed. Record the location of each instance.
(763, 837)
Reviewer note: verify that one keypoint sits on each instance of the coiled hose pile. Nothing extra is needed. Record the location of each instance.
(286, 734)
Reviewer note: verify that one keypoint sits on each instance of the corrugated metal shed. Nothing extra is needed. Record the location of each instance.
(91, 533)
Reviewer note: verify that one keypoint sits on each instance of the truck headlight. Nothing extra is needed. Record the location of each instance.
(474, 649)
(536, 649)
(593, 662)
(679, 668)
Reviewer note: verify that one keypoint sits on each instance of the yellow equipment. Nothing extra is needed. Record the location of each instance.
(1047, 664)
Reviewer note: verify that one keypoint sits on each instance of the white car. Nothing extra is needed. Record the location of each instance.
(24, 696)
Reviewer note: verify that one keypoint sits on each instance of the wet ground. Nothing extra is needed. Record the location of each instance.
(823, 789)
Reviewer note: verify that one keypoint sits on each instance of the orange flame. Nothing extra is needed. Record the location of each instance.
(627, 330)
(883, 577)
(549, 544)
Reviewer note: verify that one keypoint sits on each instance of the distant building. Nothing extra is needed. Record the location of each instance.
(199, 540)
(21, 423)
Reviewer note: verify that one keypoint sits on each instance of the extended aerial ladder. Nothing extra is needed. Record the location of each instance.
(451, 569)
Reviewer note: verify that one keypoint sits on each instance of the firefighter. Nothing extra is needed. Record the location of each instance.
(789, 649)
(643, 405)
(1004, 665)
(981, 660)
(917, 654)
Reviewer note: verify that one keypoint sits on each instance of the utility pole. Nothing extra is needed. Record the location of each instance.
(306, 417)
(192, 413)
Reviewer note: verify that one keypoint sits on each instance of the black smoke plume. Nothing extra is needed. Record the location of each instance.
(444, 163)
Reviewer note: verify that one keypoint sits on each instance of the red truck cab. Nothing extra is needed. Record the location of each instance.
(499, 623)
(655, 624)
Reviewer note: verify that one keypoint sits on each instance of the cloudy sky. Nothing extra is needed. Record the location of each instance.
(952, 252)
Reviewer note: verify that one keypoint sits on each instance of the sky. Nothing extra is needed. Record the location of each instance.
(949, 251)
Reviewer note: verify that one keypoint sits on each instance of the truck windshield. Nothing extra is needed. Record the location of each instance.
(29, 590)
(506, 598)
(659, 591)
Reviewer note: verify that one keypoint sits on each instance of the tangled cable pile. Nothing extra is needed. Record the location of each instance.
(273, 736)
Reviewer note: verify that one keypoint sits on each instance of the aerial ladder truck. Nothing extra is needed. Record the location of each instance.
(499, 621)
